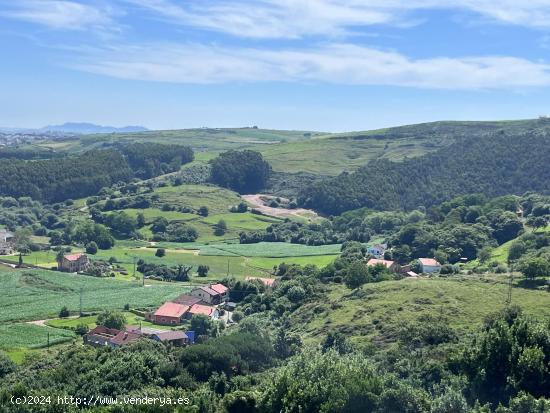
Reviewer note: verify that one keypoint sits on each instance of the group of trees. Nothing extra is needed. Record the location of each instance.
(55, 180)
(163, 272)
(243, 171)
(493, 166)
(164, 230)
(62, 177)
(148, 160)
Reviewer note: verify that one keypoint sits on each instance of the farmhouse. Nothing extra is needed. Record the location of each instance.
(377, 250)
(429, 265)
(199, 309)
(170, 314)
(390, 265)
(268, 282)
(123, 338)
(100, 336)
(73, 263)
(212, 294)
(176, 338)
(7, 246)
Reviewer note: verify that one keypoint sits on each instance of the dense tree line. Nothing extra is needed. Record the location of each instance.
(56, 180)
(243, 171)
(152, 159)
(498, 164)
(68, 177)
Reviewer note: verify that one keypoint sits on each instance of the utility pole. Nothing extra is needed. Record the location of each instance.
(48, 344)
(81, 289)
(228, 267)
(134, 259)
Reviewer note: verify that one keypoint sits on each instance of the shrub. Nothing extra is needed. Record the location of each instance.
(64, 312)
(161, 252)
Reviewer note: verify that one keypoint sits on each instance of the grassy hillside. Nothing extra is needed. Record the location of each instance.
(377, 312)
(303, 151)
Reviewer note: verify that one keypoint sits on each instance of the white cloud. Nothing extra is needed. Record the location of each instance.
(297, 18)
(59, 14)
(331, 63)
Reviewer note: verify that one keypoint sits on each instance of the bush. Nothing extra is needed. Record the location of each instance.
(91, 248)
(203, 211)
(64, 312)
(81, 329)
(161, 252)
(237, 316)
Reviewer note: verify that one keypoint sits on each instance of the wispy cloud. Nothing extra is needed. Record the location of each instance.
(331, 63)
(59, 14)
(298, 18)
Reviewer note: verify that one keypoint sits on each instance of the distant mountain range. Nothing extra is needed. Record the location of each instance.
(77, 128)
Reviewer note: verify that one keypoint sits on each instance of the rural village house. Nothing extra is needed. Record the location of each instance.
(429, 265)
(170, 314)
(7, 246)
(103, 336)
(212, 294)
(377, 250)
(176, 338)
(390, 265)
(199, 309)
(73, 263)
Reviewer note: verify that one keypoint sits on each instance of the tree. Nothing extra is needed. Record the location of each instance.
(203, 211)
(220, 228)
(111, 319)
(243, 171)
(81, 329)
(161, 252)
(202, 270)
(183, 272)
(485, 254)
(532, 267)
(286, 344)
(22, 239)
(159, 225)
(91, 248)
(356, 275)
(140, 220)
(7, 366)
(64, 312)
(202, 325)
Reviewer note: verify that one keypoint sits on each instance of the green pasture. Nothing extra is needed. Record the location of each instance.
(376, 312)
(21, 336)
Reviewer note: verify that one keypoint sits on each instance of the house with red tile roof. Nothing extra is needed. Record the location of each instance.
(390, 265)
(124, 338)
(199, 309)
(100, 336)
(73, 262)
(429, 265)
(212, 294)
(176, 338)
(170, 314)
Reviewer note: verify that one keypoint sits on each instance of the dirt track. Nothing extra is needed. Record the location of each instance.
(258, 203)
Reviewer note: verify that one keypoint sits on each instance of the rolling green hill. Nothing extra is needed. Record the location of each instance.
(305, 151)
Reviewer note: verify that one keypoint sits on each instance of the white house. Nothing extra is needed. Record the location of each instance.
(377, 250)
(429, 265)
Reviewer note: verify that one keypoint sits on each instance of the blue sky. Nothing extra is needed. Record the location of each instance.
(331, 65)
